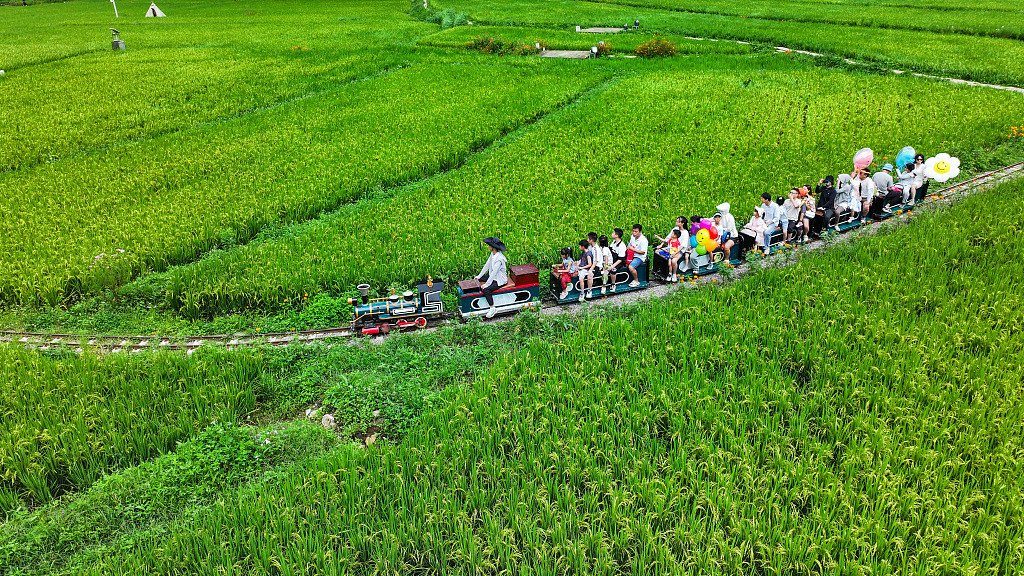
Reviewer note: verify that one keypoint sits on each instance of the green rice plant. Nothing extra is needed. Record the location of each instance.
(644, 149)
(67, 421)
(242, 174)
(859, 412)
(201, 66)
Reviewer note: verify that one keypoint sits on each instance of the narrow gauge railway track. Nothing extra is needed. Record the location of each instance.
(115, 344)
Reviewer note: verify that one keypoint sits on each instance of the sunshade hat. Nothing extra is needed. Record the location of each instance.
(496, 244)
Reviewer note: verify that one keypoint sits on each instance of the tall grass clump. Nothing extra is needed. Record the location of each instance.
(859, 412)
(68, 420)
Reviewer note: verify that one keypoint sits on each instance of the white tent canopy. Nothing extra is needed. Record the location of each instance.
(154, 12)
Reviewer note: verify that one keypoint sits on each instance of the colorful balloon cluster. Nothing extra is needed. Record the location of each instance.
(704, 237)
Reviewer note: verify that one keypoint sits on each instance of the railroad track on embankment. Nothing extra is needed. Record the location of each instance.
(115, 344)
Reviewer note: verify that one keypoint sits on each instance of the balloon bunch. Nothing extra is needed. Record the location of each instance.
(704, 237)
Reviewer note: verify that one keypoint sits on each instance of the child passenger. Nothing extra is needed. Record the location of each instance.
(566, 271)
(675, 252)
(606, 261)
(586, 270)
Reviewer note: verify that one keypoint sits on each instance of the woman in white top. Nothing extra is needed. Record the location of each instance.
(920, 180)
(495, 272)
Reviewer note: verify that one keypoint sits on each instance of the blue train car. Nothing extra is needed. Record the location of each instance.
(410, 310)
(618, 283)
(521, 292)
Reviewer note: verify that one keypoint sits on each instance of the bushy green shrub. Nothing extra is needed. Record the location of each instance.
(655, 47)
(501, 47)
(325, 311)
(446, 18)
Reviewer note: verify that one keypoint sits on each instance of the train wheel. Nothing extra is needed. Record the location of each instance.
(421, 322)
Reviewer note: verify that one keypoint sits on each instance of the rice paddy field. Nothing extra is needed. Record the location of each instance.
(243, 165)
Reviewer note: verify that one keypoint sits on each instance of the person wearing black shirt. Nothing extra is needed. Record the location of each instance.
(826, 192)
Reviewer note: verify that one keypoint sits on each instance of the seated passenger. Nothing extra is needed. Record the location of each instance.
(920, 180)
(844, 199)
(906, 182)
(731, 234)
(638, 244)
(772, 214)
(565, 271)
(864, 193)
(726, 236)
(753, 232)
(680, 225)
(792, 206)
(808, 210)
(586, 270)
(605, 260)
(598, 255)
(675, 252)
(494, 275)
(618, 253)
(826, 210)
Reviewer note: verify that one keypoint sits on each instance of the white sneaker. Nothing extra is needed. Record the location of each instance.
(563, 295)
(604, 290)
(491, 312)
(674, 278)
(583, 296)
(612, 289)
(634, 283)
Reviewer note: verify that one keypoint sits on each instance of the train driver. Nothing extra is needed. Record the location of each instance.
(495, 272)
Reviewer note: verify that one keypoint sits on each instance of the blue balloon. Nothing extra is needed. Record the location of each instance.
(905, 156)
(693, 241)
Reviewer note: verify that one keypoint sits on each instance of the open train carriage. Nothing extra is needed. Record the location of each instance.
(408, 311)
(521, 292)
(618, 283)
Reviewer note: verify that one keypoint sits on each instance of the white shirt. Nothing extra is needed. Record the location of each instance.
(495, 268)
(728, 225)
(618, 248)
(599, 254)
(639, 245)
(864, 188)
(919, 175)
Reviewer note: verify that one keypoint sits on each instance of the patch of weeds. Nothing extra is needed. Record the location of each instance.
(123, 509)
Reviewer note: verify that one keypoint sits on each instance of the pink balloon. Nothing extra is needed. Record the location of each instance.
(863, 158)
(705, 224)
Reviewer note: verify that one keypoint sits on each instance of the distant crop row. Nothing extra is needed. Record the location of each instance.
(649, 148)
(1005, 23)
(999, 60)
(165, 200)
(564, 40)
(68, 421)
(858, 413)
